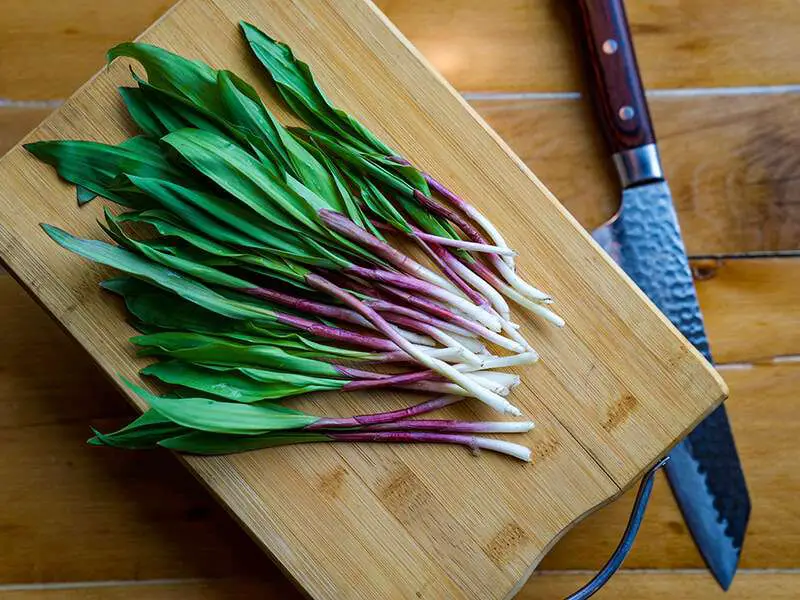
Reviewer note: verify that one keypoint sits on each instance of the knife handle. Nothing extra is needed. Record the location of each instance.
(614, 81)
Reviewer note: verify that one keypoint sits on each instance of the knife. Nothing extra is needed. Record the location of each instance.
(644, 239)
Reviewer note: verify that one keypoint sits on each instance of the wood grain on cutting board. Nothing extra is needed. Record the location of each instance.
(615, 389)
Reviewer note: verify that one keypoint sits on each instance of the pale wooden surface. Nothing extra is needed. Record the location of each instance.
(92, 527)
(377, 522)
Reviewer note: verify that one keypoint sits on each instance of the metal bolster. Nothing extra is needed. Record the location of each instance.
(638, 165)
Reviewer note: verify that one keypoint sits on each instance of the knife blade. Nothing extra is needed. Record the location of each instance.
(644, 238)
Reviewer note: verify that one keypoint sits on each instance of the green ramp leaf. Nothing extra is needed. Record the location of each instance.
(200, 442)
(237, 386)
(159, 275)
(224, 417)
(142, 433)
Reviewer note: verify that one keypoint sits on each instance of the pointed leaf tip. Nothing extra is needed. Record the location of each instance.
(57, 234)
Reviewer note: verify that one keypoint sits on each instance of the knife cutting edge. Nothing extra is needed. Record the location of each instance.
(644, 238)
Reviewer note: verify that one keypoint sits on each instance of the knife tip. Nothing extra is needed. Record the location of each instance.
(724, 569)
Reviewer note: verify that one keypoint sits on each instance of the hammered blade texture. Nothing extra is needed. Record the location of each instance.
(705, 473)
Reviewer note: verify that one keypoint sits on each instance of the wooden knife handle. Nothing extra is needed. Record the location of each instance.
(614, 80)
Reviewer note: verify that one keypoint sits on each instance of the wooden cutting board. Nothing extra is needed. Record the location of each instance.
(615, 389)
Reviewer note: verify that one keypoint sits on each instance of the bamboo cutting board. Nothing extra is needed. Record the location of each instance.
(615, 389)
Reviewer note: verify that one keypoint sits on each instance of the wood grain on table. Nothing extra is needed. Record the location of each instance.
(78, 522)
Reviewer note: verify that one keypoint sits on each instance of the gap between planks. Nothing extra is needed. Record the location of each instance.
(591, 572)
(77, 585)
(142, 583)
(763, 90)
(145, 583)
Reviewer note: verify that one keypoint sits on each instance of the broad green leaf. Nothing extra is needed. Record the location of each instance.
(377, 202)
(242, 176)
(245, 109)
(148, 147)
(159, 311)
(192, 206)
(142, 433)
(210, 253)
(175, 112)
(94, 166)
(199, 442)
(158, 307)
(190, 79)
(140, 112)
(279, 61)
(303, 95)
(273, 377)
(283, 204)
(161, 108)
(224, 417)
(426, 220)
(224, 353)
(178, 112)
(159, 275)
(362, 162)
(174, 340)
(162, 309)
(407, 172)
(168, 225)
(84, 195)
(298, 88)
(196, 270)
(277, 268)
(236, 386)
(197, 120)
(311, 349)
(177, 105)
(348, 205)
(216, 216)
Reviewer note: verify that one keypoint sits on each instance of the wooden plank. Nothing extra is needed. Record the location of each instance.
(731, 195)
(76, 514)
(44, 370)
(733, 294)
(761, 407)
(615, 348)
(518, 45)
(731, 162)
(632, 585)
(665, 585)
(16, 122)
(209, 589)
(49, 49)
(750, 306)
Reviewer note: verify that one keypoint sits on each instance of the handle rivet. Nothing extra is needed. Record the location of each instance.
(610, 46)
(626, 113)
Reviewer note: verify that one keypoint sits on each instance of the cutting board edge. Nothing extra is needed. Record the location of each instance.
(613, 497)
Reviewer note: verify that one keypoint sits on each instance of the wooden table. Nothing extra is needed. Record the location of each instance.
(77, 522)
